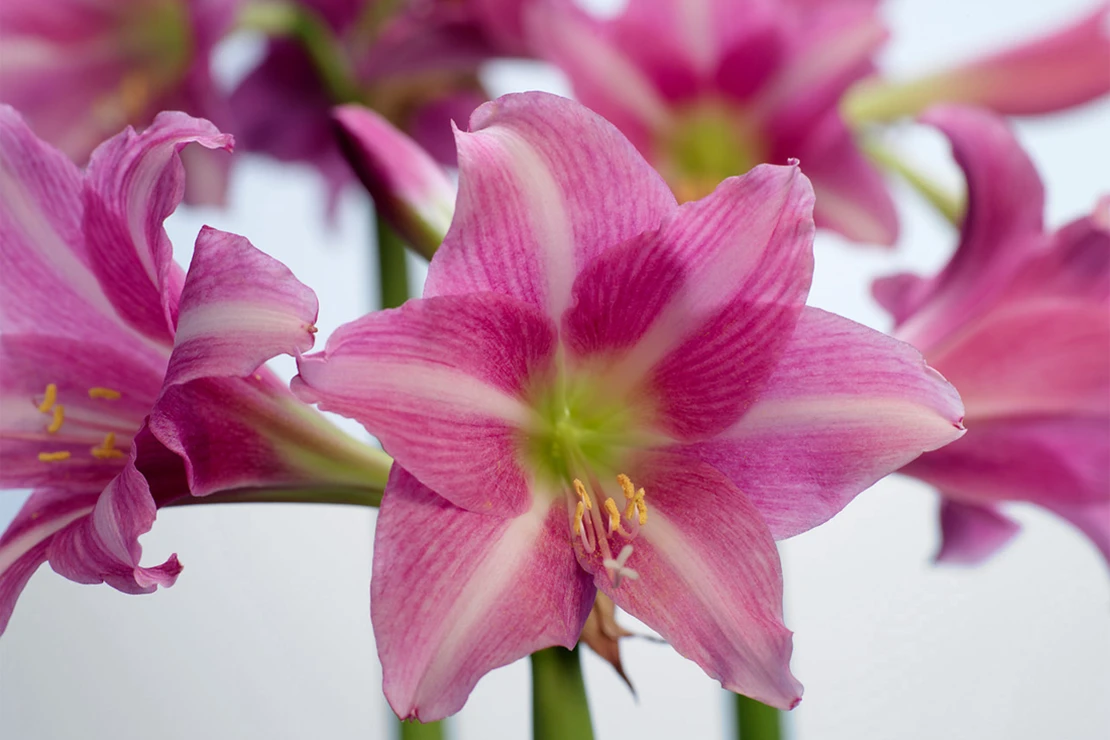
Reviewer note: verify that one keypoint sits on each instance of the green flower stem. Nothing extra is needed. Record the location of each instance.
(370, 496)
(295, 21)
(756, 721)
(559, 706)
(413, 730)
(393, 273)
(950, 206)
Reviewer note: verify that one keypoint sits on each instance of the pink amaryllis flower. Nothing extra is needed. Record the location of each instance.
(602, 389)
(1019, 322)
(706, 89)
(81, 71)
(125, 382)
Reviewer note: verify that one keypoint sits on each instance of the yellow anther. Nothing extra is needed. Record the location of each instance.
(107, 448)
(59, 418)
(105, 393)
(626, 486)
(579, 510)
(614, 515)
(49, 398)
(582, 493)
(641, 506)
(53, 456)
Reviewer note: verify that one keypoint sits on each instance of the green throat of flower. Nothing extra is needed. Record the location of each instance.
(707, 143)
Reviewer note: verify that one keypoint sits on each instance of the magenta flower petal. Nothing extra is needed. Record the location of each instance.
(1039, 459)
(532, 212)
(239, 308)
(1003, 226)
(441, 382)
(747, 283)
(972, 533)
(134, 182)
(456, 594)
(49, 284)
(709, 581)
(845, 406)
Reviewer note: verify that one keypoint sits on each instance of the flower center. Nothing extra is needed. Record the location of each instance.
(707, 143)
(56, 414)
(600, 534)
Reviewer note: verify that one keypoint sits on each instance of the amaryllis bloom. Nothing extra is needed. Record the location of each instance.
(80, 71)
(706, 89)
(1019, 322)
(602, 389)
(1068, 67)
(127, 383)
(413, 62)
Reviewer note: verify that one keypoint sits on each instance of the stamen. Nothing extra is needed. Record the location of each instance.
(105, 393)
(582, 493)
(50, 397)
(617, 568)
(107, 449)
(636, 503)
(615, 518)
(579, 510)
(53, 456)
(626, 486)
(59, 419)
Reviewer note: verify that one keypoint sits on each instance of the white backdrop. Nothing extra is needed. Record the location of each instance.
(267, 633)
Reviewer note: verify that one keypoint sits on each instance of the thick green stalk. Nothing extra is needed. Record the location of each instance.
(369, 496)
(560, 710)
(756, 721)
(393, 273)
(413, 730)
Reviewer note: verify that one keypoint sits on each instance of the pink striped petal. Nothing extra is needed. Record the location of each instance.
(410, 190)
(1032, 357)
(845, 406)
(1003, 226)
(748, 254)
(134, 182)
(103, 547)
(533, 211)
(709, 579)
(239, 308)
(440, 382)
(47, 283)
(456, 594)
(1045, 460)
(24, 545)
(972, 534)
(1076, 265)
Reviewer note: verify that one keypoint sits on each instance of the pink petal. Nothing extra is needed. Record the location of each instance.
(533, 211)
(1064, 69)
(134, 182)
(709, 579)
(456, 594)
(845, 406)
(1002, 228)
(46, 278)
(239, 308)
(441, 382)
(1045, 460)
(28, 364)
(613, 77)
(748, 254)
(972, 534)
(103, 547)
(409, 189)
(1076, 265)
(1033, 357)
(24, 545)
